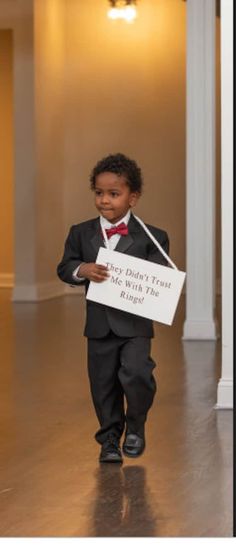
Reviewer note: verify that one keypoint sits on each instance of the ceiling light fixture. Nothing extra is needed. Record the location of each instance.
(122, 9)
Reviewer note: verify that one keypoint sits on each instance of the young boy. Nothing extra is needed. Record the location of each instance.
(119, 362)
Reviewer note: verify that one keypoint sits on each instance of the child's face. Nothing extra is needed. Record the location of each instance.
(113, 197)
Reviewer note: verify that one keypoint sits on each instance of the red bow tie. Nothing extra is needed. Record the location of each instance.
(121, 229)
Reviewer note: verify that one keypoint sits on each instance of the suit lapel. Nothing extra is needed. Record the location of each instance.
(97, 239)
(126, 241)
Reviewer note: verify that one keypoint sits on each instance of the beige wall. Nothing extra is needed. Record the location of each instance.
(6, 162)
(126, 92)
(49, 20)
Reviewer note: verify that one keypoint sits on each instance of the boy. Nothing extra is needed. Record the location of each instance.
(119, 363)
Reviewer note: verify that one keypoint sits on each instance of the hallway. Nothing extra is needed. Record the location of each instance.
(51, 482)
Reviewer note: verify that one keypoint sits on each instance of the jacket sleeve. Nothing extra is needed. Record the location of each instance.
(155, 255)
(71, 259)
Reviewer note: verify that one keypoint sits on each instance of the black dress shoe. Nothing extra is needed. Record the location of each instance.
(110, 451)
(133, 445)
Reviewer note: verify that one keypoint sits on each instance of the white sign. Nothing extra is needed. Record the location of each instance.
(138, 286)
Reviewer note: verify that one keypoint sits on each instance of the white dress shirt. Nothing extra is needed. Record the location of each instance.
(113, 240)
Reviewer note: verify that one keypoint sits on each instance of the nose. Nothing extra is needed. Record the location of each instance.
(105, 199)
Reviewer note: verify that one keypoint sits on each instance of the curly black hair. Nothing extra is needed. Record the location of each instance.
(122, 166)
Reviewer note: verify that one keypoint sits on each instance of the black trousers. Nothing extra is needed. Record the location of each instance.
(120, 372)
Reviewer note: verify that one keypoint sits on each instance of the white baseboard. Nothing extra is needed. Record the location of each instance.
(37, 292)
(205, 331)
(225, 394)
(7, 280)
(43, 291)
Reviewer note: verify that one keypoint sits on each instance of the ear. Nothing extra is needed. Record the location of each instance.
(134, 197)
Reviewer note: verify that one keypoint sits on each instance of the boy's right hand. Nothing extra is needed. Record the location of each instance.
(93, 271)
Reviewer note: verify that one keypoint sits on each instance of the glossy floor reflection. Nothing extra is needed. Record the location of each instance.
(51, 481)
(122, 505)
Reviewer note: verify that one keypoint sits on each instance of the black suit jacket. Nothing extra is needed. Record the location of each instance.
(82, 245)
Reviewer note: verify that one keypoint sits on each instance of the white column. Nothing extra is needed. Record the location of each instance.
(39, 137)
(24, 155)
(225, 386)
(200, 280)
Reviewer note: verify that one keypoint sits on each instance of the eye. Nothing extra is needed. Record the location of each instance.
(114, 194)
(98, 192)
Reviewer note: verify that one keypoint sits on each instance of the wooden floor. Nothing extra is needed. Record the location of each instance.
(51, 482)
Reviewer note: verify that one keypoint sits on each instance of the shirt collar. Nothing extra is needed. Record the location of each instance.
(106, 224)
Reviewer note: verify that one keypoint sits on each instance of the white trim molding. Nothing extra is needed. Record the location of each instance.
(41, 292)
(225, 394)
(200, 191)
(199, 329)
(225, 385)
(37, 292)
